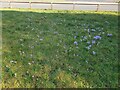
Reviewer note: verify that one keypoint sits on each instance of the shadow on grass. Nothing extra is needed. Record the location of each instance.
(39, 49)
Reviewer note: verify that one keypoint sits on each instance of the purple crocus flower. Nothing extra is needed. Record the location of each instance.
(75, 37)
(109, 35)
(97, 37)
(93, 41)
(76, 43)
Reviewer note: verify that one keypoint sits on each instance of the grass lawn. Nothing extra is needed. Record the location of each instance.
(51, 49)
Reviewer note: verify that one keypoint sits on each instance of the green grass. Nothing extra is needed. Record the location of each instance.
(39, 50)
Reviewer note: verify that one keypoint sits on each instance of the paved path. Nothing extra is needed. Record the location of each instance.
(68, 0)
(62, 6)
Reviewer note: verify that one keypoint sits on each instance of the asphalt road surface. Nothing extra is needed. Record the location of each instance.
(60, 6)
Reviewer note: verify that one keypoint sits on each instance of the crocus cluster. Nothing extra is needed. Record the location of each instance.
(109, 35)
(76, 43)
(97, 37)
